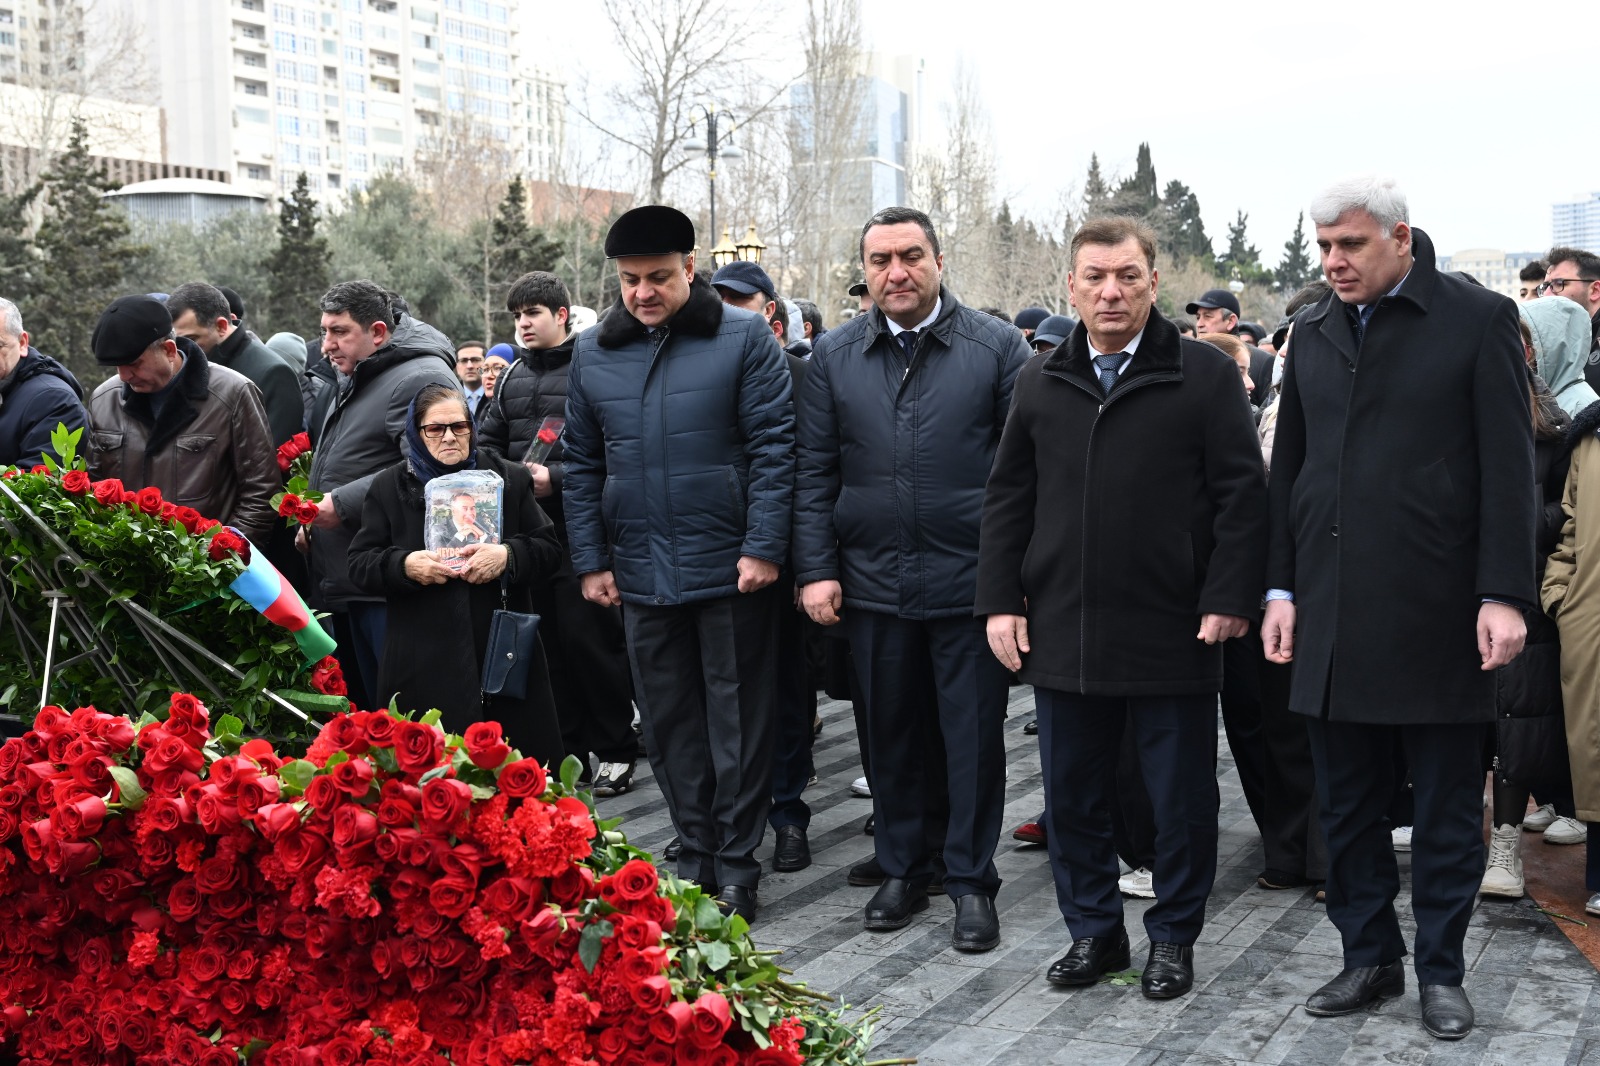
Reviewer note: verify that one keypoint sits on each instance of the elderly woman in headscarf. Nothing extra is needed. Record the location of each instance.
(438, 615)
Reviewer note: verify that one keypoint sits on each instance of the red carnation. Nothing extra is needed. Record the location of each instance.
(76, 482)
(523, 779)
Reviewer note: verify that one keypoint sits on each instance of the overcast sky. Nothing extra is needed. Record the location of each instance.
(1256, 103)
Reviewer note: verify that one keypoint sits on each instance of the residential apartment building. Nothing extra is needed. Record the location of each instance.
(344, 89)
(1494, 269)
(1576, 224)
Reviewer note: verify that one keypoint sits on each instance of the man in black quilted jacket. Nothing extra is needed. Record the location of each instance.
(589, 657)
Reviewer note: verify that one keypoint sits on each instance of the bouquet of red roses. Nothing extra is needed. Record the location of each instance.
(296, 502)
(171, 892)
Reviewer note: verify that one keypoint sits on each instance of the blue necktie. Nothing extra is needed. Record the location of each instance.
(1107, 365)
(908, 341)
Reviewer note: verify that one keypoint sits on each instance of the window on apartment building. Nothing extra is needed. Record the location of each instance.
(352, 29)
(257, 173)
(358, 161)
(7, 38)
(355, 55)
(333, 181)
(251, 59)
(308, 19)
(282, 13)
(288, 152)
(426, 92)
(251, 114)
(253, 88)
(425, 66)
(356, 109)
(381, 135)
(5, 15)
(355, 83)
(284, 42)
(313, 156)
(308, 73)
(289, 125)
(357, 134)
(423, 15)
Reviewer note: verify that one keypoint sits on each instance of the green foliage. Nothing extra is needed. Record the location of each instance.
(1296, 269)
(1242, 257)
(1096, 193)
(83, 242)
(1137, 195)
(1182, 231)
(231, 250)
(298, 268)
(18, 260)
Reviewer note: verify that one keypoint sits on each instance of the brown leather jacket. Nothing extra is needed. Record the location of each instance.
(209, 448)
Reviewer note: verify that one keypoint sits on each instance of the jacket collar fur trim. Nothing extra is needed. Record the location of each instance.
(1586, 421)
(700, 317)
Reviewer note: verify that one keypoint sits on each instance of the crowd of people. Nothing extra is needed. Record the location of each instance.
(718, 507)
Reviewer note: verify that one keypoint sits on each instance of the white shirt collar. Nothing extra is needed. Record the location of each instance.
(1131, 347)
(896, 330)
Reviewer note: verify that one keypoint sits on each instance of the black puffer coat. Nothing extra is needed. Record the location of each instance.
(35, 397)
(533, 389)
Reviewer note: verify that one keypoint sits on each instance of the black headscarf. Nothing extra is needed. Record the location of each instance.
(423, 464)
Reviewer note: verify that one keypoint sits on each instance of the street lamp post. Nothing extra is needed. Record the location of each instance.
(718, 144)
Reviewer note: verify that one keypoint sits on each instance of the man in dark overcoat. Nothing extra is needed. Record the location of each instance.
(1121, 545)
(1402, 552)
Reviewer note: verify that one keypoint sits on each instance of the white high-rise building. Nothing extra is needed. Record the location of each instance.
(343, 89)
(1576, 224)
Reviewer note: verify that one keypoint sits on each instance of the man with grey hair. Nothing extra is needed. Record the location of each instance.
(1403, 537)
(36, 395)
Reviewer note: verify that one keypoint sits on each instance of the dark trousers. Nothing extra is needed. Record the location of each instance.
(1079, 737)
(796, 708)
(359, 630)
(1242, 722)
(589, 672)
(1291, 835)
(1355, 786)
(705, 677)
(1133, 819)
(935, 774)
(1591, 872)
(969, 704)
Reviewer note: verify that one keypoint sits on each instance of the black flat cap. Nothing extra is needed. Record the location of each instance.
(1215, 298)
(654, 229)
(858, 289)
(129, 326)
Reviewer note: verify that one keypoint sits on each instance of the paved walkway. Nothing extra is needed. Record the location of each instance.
(1536, 996)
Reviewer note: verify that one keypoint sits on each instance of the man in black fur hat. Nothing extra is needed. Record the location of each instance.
(679, 476)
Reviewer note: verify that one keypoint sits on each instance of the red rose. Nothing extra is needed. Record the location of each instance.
(108, 493)
(189, 518)
(226, 542)
(712, 1016)
(522, 779)
(485, 745)
(258, 792)
(548, 435)
(306, 513)
(353, 826)
(417, 747)
(513, 898)
(381, 728)
(327, 677)
(451, 896)
(301, 849)
(353, 776)
(653, 993)
(445, 801)
(75, 482)
(672, 1024)
(82, 818)
(636, 880)
(324, 793)
(288, 505)
(148, 500)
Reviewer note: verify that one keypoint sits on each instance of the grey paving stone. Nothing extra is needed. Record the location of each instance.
(1261, 954)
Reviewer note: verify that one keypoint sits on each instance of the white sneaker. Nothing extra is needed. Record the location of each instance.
(859, 787)
(1593, 906)
(1139, 884)
(1566, 831)
(1401, 835)
(1540, 820)
(1503, 876)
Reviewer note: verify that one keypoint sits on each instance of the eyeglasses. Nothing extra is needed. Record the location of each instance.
(1555, 285)
(438, 430)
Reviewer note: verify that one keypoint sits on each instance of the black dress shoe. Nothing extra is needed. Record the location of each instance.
(1445, 1011)
(792, 851)
(870, 824)
(1031, 729)
(670, 852)
(1089, 958)
(1169, 971)
(893, 905)
(1356, 987)
(977, 925)
(867, 874)
(936, 882)
(738, 899)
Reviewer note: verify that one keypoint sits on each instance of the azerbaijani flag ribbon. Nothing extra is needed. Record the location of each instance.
(264, 588)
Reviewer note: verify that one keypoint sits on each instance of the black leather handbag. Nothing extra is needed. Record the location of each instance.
(513, 646)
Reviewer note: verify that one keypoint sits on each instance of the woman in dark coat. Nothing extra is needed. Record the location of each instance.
(438, 618)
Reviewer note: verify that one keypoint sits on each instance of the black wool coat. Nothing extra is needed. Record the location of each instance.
(1402, 497)
(1114, 522)
(433, 653)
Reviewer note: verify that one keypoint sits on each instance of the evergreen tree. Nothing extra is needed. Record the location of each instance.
(1096, 193)
(516, 247)
(1182, 231)
(1297, 269)
(298, 268)
(83, 246)
(1242, 256)
(1138, 195)
(18, 262)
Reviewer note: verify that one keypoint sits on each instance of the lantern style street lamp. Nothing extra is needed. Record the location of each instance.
(718, 144)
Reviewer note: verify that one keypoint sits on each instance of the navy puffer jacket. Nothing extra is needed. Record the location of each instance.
(679, 451)
(894, 458)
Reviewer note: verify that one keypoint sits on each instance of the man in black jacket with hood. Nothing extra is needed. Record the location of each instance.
(36, 394)
(589, 654)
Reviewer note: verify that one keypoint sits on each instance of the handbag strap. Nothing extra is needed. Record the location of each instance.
(505, 591)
